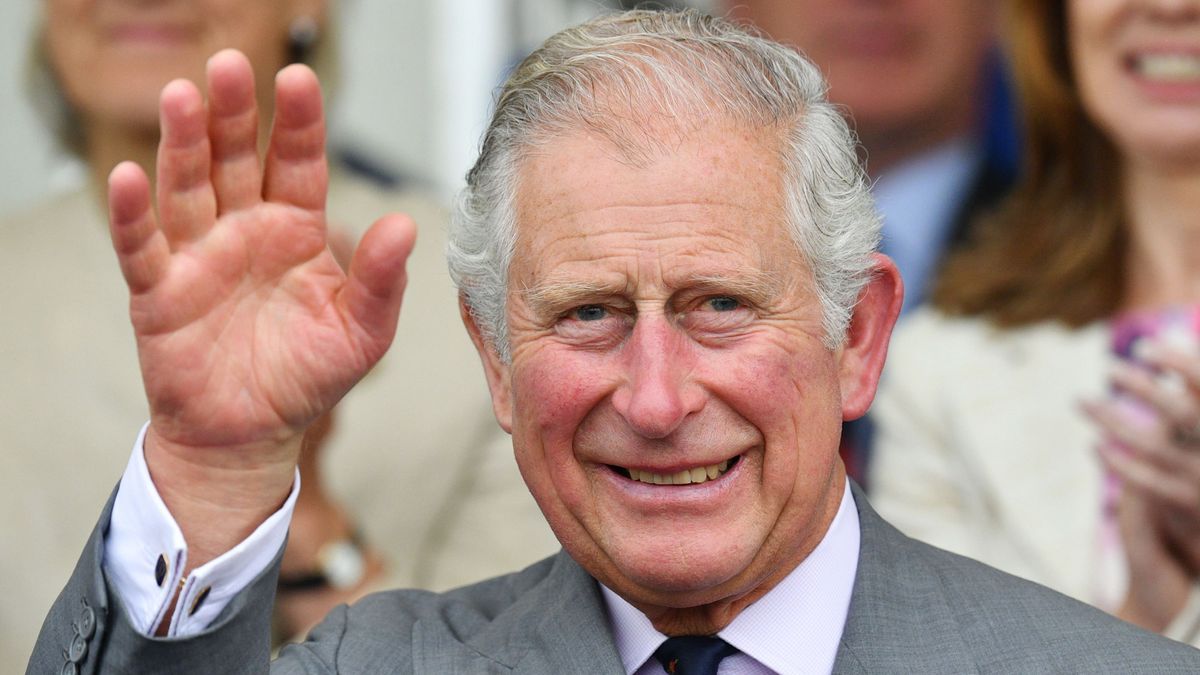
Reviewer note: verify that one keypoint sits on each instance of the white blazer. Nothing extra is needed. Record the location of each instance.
(981, 448)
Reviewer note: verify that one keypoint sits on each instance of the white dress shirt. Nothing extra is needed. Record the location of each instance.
(795, 628)
(145, 554)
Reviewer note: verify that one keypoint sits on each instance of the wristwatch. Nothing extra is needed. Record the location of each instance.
(340, 565)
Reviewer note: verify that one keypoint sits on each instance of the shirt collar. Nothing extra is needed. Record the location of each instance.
(795, 628)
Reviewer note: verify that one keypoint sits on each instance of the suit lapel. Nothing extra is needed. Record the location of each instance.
(898, 614)
(557, 626)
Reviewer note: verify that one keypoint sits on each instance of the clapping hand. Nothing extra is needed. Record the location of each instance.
(247, 328)
(1154, 449)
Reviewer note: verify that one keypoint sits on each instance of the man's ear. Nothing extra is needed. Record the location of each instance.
(496, 371)
(863, 352)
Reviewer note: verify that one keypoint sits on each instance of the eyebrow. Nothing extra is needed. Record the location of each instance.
(553, 297)
(755, 286)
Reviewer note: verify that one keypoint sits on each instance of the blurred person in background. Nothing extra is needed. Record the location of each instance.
(914, 78)
(401, 477)
(1007, 429)
(921, 83)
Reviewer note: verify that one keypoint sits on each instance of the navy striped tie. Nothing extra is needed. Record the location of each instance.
(693, 654)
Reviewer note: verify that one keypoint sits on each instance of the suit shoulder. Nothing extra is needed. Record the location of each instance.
(397, 627)
(464, 607)
(1014, 621)
(918, 605)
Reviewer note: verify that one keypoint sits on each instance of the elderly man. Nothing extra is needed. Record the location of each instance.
(665, 255)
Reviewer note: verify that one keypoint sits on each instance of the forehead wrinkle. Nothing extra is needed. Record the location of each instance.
(639, 219)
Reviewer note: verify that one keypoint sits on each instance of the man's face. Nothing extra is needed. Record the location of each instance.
(902, 67)
(664, 325)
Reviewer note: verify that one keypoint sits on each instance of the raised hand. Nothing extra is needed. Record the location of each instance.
(247, 328)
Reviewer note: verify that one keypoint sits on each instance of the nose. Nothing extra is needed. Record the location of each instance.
(659, 391)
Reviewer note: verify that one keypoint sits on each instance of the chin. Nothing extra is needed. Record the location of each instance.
(680, 576)
(1171, 138)
(134, 103)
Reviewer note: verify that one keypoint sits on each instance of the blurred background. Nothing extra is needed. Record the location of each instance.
(415, 85)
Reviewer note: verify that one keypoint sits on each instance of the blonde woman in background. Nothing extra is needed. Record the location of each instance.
(416, 478)
(996, 427)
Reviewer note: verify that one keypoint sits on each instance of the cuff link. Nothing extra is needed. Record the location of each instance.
(160, 570)
(200, 598)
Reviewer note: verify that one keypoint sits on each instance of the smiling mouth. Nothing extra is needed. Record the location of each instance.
(700, 474)
(1167, 66)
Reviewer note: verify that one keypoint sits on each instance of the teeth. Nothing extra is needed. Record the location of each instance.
(1169, 67)
(700, 474)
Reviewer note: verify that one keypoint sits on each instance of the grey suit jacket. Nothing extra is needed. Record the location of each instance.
(914, 609)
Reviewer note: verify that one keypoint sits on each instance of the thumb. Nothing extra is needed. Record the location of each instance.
(371, 297)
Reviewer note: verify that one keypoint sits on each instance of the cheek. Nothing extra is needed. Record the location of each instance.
(552, 395)
(66, 41)
(795, 402)
(258, 29)
(553, 391)
(261, 35)
(778, 384)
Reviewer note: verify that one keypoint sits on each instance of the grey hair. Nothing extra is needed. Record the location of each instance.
(603, 77)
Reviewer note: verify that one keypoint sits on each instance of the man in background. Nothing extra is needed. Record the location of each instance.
(920, 84)
(915, 77)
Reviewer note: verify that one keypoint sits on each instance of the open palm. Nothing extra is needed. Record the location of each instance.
(247, 328)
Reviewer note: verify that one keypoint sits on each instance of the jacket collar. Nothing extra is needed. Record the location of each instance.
(556, 626)
(898, 610)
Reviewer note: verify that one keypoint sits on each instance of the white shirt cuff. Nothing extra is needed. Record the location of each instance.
(145, 554)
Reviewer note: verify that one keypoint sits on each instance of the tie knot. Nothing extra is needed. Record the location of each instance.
(693, 654)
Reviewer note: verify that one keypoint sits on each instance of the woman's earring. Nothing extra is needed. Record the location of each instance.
(302, 35)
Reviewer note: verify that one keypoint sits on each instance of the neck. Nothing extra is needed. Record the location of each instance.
(1163, 222)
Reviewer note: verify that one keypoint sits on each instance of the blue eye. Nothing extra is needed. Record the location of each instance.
(589, 313)
(723, 304)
